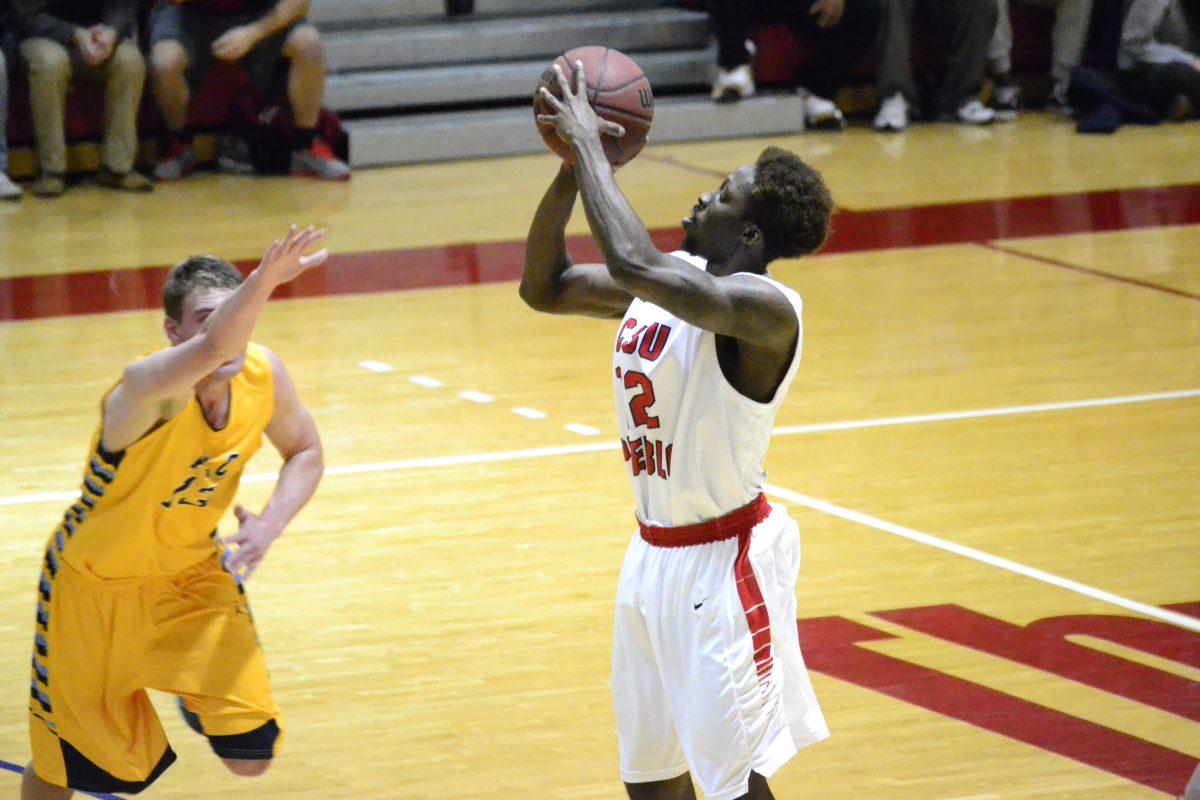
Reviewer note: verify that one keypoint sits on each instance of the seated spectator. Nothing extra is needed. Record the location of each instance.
(94, 41)
(966, 28)
(1155, 67)
(1071, 21)
(275, 44)
(843, 29)
(8, 189)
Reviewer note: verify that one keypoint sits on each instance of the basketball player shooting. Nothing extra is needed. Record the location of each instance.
(708, 680)
(136, 589)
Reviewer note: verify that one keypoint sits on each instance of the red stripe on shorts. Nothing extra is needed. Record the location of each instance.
(755, 607)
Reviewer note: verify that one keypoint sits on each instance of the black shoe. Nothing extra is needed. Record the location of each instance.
(192, 719)
(459, 8)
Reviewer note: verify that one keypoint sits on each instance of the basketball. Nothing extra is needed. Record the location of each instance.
(617, 89)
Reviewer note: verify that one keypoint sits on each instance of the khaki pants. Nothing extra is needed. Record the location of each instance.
(1071, 21)
(50, 66)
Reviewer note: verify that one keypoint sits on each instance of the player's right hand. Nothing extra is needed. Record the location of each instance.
(285, 259)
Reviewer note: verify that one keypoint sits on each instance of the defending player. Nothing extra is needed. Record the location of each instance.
(707, 671)
(136, 589)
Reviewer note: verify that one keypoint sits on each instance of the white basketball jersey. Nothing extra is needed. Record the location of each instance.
(693, 443)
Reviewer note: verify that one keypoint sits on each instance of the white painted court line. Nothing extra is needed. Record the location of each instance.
(1171, 617)
(427, 382)
(985, 412)
(476, 397)
(376, 366)
(582, 430)
(529, 413)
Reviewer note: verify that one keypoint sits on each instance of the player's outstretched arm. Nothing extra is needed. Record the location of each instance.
(738, 306)
(551, 283)
(135, 405)
(295, 436)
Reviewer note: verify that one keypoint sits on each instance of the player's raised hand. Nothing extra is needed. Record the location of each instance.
(573, 117)
(285, 258)
(253, 540)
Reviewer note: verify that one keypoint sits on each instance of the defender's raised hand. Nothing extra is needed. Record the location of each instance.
(573, 117)
(285, 259)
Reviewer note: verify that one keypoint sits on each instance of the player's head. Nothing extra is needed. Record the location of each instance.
(777, 208)
(194, 289)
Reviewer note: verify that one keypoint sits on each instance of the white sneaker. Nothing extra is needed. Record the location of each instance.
(733, 84)
(8, 189)
(974, 112)
(821, 114)
(893, 114)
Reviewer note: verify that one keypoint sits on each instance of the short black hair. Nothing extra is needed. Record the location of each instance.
(196, 271)
(790, 204)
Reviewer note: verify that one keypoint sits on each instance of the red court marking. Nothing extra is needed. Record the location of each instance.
(1098, 273)
(32, 297)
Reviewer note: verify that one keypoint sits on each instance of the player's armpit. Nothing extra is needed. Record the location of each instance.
(740, 306)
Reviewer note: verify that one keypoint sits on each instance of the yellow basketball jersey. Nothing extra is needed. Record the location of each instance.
(151, 509)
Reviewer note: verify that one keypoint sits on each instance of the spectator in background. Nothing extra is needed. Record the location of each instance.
(8, 189)
(1155, 67)
(1071, 21)
(843, 30)
(92, 40)
(272, 40)
(965, 27)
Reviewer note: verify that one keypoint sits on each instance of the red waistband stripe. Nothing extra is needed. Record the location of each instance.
(729, 526)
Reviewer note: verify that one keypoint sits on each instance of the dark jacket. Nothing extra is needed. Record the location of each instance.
(58, 19)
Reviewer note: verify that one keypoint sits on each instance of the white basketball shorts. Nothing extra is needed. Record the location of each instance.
(707, 674)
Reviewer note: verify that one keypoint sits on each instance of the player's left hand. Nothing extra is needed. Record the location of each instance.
(253, 539)
(235, 43)
(573, 117)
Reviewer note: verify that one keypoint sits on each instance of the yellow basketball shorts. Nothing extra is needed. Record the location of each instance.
(99, 645)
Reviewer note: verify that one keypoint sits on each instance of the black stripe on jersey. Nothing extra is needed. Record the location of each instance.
(87, 501)
(44, 588)
(91, 486)
(112, 459)
(43, 616)
(100, 472)
(43, 674)
(51, 562)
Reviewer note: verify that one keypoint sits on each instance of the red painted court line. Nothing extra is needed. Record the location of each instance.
(1112, 276)
(32, 297)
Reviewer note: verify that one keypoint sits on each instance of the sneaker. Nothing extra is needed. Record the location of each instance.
(48, 184)
(893, 114)
(1006, 99)
(734, 84)
(234, 156)
(177, 162)
(319, 161)
(124, 181)
(974, 112)
(1058, 105)
(8, 189)
(190, 718)
(821, 114)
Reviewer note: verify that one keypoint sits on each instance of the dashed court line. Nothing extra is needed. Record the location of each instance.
(476, 397)
(376, 366)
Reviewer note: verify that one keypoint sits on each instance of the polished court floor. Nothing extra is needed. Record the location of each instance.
(992, 448)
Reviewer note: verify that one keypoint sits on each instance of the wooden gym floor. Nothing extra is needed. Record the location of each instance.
(992, 449)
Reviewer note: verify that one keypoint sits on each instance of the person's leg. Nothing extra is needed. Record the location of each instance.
(1072, 21)
(840, 46)
(34, 788)
(674, 789)
(124, 77)
(895, 58)
(969, 26)
(175, 61)
(49, 69)
(1000, 49)
(8, 189)
(305, 88)
(731, 22)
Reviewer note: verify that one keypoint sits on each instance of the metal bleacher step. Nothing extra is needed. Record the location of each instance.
(510, 131)
(462, 84)
(474, 40)
(351, 13)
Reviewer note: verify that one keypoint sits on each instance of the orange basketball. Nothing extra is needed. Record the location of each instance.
(618, 90)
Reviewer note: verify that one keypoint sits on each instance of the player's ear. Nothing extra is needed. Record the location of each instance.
(171, 329)
(752, 235)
